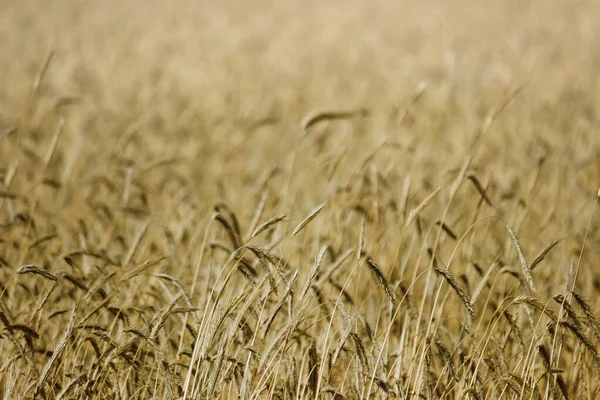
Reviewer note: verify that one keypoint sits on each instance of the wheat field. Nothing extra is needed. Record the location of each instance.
(299, 199)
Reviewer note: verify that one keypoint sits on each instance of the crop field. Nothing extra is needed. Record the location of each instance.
(299, 199)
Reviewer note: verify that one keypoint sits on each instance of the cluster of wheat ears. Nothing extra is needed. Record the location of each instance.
(293, 201)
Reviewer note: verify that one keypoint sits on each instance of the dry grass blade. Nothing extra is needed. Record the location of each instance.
(522, 262)
(329, 115)
(306, 220)
(374, 267)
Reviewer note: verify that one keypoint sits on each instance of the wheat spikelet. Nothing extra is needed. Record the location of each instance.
(335, 394)
(267, 225)
(286, 293)
(75, 281)
(100, 306)
(57, 353)
(140, 268)
(551, 372)
(361, 352)
(222, 208)
(268, 259)
(32, 269)
(447, 229)
(329, 115)
(135, 244)
(313, 369)
(464, 298)
(526, 271)
(374, 267)
(108, 206)
(580, 335)
(482, 284)
(41, 240)
(479, 188)
(414, 213)
(46, 297)
(326, 276)
(570, 311)
(95, 254)
(233, 237)
(341, 342)
(258, 213)
(589, 314)
(171, 310)
(314, 269)
(447, 356)
(177, 284)
(543, 254)
(532, 301)
(518, 385)
(306, 220)
(361, 239)
(8, 195)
